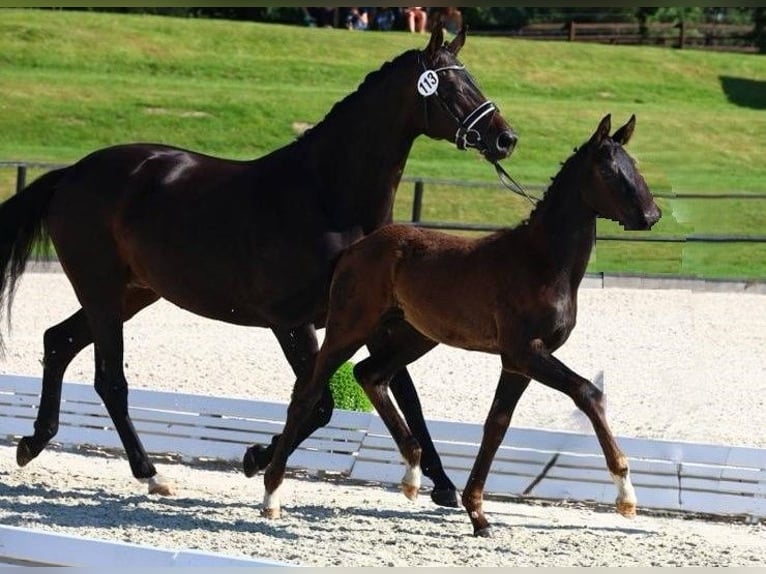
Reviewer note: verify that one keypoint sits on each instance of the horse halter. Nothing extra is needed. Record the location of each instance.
(466, 135)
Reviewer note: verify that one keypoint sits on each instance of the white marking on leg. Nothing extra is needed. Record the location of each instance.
(411, 481)
(626, 495)
(271, 506)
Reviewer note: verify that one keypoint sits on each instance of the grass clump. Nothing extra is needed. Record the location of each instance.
(347, 392)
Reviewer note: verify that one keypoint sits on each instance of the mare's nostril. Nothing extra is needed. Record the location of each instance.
(506, 141)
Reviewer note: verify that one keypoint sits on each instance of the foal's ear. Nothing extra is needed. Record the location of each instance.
(602, 131)
(457, 41)
(622, 136)
(437, 39)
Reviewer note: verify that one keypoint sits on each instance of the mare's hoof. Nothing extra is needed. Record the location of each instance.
(445, 497)
(271, 513)
(484, 532)
(23, 453)
(250, 462)
(162, 489)
(161, 486)
(627, 509)
(410, 491)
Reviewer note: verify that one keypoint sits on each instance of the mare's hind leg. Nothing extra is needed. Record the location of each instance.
(399, 334)
(544, 367)
(61, 344)
(111, 385)
(300, 347)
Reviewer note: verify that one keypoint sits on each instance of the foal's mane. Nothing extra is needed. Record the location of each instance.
(557, 181)
(370, 80)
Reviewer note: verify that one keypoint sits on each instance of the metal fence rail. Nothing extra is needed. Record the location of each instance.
(419, 184)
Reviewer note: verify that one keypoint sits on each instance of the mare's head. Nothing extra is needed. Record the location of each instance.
(455, 108)
(616, 189)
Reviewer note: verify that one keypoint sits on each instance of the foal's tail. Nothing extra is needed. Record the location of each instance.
(22, 225)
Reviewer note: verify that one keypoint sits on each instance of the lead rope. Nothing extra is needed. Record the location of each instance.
(512, 184)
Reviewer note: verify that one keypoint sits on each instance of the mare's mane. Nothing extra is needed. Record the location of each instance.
(370, 79)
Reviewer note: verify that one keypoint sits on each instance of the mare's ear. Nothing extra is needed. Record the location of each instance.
(622, 136)
(457, 41)
(602, 131)
(437, 39)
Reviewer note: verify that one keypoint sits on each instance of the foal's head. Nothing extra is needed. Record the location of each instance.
(617, 190)
(455, 108)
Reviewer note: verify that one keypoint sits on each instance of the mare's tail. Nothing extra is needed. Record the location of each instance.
(22, 225)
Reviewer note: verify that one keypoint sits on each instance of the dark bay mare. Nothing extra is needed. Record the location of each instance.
(246, 242)
(511, 293)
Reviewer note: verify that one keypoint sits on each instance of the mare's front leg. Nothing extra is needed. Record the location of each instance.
(539, 364)
(300, 347)
(509, 390)
(402, 335)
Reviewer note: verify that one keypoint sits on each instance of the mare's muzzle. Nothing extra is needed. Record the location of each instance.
(468, 134)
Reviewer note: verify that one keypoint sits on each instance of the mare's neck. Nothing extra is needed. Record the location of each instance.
(360, 150)
(565, 224)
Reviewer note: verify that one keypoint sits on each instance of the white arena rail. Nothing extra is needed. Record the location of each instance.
(26, 547)
(668, 475)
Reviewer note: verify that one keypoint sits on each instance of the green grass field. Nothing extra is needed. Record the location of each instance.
(72, 82)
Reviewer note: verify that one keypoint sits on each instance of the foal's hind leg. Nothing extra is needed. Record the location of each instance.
(400, 334)
(544, 367)
(375, 373)
(300, 347)
(306, 394)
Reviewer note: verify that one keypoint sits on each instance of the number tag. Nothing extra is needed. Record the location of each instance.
(428, 83)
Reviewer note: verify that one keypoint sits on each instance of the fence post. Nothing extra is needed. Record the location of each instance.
(571, 26)
(21, 177)
(417, 201)
(681, 34)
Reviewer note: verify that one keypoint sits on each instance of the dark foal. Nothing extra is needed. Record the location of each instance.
(246, 242)
(511, 293)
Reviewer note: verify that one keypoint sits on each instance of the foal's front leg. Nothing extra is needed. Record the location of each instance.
(509, 390)
(544, 367)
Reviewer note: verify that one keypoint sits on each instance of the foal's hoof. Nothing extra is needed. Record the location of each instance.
(627, 509)
(484, 532)
(410, 491)
(251, 461)
(24, 454)
(445, 497)
(271, 513)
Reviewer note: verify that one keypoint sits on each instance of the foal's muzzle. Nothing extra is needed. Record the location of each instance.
(645, 219)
